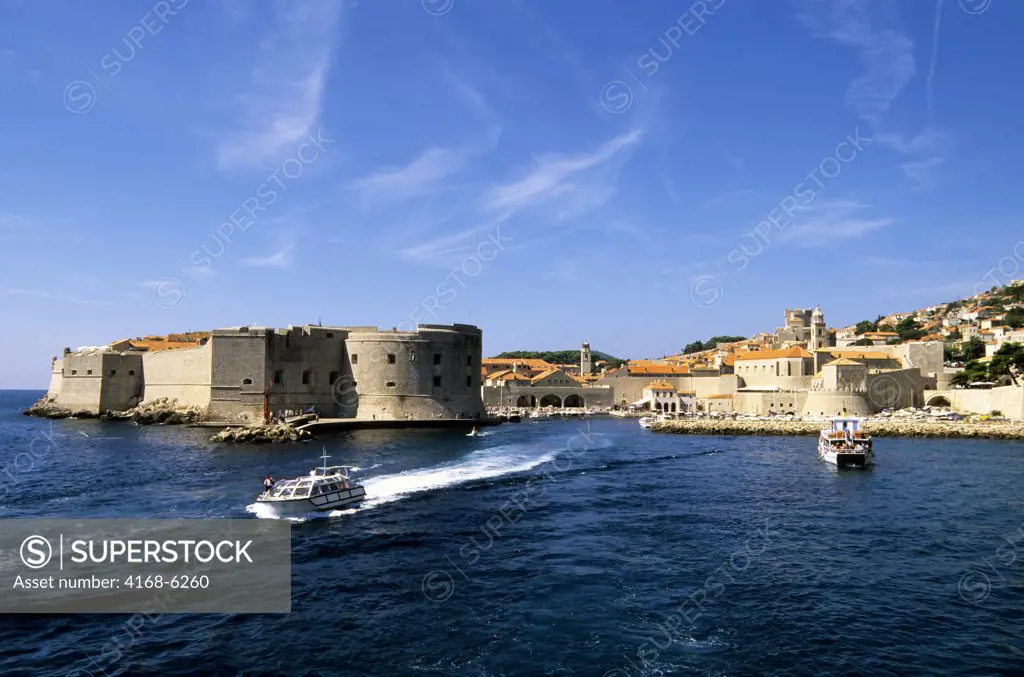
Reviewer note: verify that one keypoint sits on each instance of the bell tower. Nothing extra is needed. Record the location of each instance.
(585, 359)
(817, 337)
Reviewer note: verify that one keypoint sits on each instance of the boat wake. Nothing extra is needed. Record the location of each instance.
(482, 464)
(479, 465)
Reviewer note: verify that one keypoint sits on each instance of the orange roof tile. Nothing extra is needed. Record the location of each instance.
(659, 385)
(793, 351)
(657, 370)
(718, 397)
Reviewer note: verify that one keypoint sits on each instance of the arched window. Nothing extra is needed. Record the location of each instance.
(247, 381)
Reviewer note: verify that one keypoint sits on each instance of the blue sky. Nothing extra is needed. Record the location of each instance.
(638, 175)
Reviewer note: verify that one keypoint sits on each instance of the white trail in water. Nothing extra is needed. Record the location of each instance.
(479, 465)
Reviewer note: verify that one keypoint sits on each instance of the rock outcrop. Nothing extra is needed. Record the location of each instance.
(47, 407)
(262, 434)
(164, 411)
(1003, 430)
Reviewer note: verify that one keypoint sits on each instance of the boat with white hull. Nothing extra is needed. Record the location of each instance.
(325, 488)
(845, 444)
(647, 422)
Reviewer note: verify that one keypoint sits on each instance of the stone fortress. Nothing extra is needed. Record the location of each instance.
(248, 374)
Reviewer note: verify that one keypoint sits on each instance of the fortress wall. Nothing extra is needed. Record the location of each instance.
(509, 395)
(98, 381)
(823, 403)
(305, 365)
(237, 356)
(182, 374)
(763, 403)
(81, 381)
(56, 377)
(433, 372)
(897, 389)
(1007, 399)
(767, 380)
(121, 381)
(925, 355)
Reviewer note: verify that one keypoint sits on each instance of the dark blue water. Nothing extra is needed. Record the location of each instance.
(538, 550)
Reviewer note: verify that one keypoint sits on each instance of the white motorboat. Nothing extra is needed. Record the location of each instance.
(474, 433)
(647, 422)
(845, 445)
(325, 488)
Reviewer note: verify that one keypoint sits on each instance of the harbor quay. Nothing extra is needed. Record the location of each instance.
(1002, 430)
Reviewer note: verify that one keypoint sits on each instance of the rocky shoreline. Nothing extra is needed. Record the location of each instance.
(163, 411)
(262, 434)
(999, 430)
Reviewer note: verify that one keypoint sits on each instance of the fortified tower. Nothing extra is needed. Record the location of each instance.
(585, 359)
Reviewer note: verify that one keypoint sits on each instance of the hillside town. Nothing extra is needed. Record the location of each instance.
(965, 356)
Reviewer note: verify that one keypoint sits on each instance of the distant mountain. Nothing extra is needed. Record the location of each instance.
(562, 356)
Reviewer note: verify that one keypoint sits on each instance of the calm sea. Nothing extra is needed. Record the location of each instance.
(556, 548)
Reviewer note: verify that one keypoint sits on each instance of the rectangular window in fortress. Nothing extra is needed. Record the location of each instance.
(74, 371)
(247, 381)
(390, 384)
(469, 360)
(437, 358)
(391, 358)
(355, 359)
(131, 372)
(113, 372)
(333, 377)
(278, 377)
(88, 372)
(469, 381)
(306, 376)
(437, 381)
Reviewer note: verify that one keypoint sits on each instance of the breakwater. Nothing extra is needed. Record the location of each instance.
(1001, 430)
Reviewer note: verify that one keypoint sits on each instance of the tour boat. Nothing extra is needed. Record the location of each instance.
(845, 445)
(647, 422)
(325, 488)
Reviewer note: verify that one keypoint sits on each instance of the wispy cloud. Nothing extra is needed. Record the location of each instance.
(282, 99)
(552, 174)
(830, 222)
(427, 172)
(47, 296)
(420, 177)
(928, 150)
(282, 258)
(886, 54)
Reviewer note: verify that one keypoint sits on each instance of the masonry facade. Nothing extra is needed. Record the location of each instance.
(236, 374)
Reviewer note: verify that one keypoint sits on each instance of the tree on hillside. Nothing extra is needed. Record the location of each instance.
(886, 327)
(865, 325)
(1014, 318)
(973, 371)
(864, 342)
(1009, 355)
(909, 330)
(694, 347)
(973, 348)
(716, 340)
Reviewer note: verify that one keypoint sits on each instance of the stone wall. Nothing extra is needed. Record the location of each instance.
(350, 372)
(97, 380)
(182, 374)
(766, 402)
(433, 372)
(531, 396)
(1007, 399)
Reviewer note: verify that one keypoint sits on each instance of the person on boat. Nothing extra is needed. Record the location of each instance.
(268, 483)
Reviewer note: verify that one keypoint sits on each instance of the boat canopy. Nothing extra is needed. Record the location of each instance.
(840, 424)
